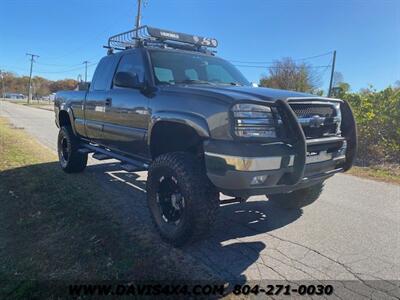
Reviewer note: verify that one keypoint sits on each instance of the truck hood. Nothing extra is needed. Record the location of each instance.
(235, 93)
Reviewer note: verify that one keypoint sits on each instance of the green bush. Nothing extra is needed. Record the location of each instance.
(378, 122)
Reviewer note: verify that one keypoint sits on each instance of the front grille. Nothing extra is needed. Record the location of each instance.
(317, 119)
(310, 110)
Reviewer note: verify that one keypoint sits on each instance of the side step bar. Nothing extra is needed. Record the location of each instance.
(101, 156)
(233, 200)
(129, 164)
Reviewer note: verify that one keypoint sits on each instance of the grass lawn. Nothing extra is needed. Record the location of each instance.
(53, 226)
(34, 103)
(380, 173)
(49, 107)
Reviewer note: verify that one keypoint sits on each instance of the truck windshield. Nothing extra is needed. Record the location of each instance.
(190, 68)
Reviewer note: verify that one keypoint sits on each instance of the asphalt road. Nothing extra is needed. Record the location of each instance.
(351, 233)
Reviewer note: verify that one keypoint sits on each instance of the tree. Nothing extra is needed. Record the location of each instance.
(41, 86)
(288, 75)
(377, 116)
(65, 84)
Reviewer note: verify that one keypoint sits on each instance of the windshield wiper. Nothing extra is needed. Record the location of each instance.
(194, 81)
(231, 83)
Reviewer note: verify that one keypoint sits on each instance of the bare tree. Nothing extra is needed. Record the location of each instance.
(289, 75)
(397, 85)
(337, 79)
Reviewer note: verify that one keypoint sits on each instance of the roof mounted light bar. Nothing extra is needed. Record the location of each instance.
(145, 34)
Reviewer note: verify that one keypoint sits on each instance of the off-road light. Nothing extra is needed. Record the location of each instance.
(252, 120)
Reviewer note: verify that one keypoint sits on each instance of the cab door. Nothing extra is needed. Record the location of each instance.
(97, 98)
(127, 116)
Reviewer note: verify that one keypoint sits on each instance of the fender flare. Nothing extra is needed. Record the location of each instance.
(68, 110)
(198, 123)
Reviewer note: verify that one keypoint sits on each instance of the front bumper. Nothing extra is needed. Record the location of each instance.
(241, 171)
(244, 169)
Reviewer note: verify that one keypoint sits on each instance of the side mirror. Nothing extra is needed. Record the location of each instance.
(127, 80)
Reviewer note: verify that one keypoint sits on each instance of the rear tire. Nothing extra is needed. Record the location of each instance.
(71, 161)
(182, 201)
(298, 198)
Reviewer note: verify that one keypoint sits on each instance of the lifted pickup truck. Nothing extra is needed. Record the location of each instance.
(162, 101)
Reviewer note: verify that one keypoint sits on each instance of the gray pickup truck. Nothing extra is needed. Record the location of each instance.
(162, 101)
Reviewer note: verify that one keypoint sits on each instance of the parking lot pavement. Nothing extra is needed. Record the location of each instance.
(351, 233)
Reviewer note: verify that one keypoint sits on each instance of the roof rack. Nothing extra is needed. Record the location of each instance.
(145, 35)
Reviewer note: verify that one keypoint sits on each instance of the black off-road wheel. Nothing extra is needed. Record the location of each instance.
(182, 201)
(298, 198)
(71, 161)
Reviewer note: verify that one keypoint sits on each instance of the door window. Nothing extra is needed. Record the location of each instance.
(132, 63)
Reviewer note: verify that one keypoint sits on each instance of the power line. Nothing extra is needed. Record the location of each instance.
(9, 67)
(101, 33)
(30, 75)
(280, 67)
(66, 71)
(57, 65)
(271, 62)
(63, 65)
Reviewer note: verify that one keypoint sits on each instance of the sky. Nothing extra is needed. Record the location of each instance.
(64, 33)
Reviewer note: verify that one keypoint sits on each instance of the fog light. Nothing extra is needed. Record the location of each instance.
(341, 153)
(342, 150)
(259, 179)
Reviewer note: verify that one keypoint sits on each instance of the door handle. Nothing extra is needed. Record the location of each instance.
(108, 102)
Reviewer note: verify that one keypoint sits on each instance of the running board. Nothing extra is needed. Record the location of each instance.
(127, 164)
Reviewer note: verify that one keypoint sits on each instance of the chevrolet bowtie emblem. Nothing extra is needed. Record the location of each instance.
(316, 121)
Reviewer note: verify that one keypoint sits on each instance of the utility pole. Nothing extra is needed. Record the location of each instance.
(139, 16)
(332, 73)
(85, 62)
(30, 76)
(3, 91)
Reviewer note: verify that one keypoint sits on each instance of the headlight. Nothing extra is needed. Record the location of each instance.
(252, 120)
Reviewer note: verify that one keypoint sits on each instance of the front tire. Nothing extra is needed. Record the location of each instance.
(71, 161)
(182, 201)
(298, 198)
